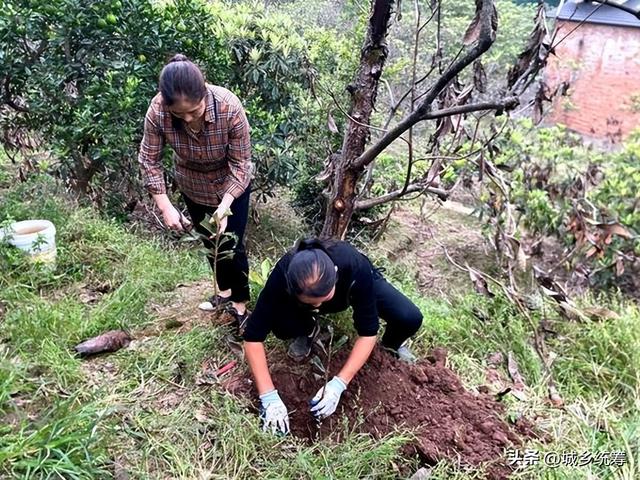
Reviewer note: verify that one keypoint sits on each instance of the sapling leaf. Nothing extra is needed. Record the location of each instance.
(265, 268)
(320, 344)
(316, 362)
(341, 342)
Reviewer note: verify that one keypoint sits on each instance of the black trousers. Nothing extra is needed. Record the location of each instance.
(232, 271)
(402, 316)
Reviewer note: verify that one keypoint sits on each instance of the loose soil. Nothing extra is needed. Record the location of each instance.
(428, 399)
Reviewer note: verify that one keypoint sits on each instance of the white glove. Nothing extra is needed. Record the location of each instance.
(332, 391)
(274, 413)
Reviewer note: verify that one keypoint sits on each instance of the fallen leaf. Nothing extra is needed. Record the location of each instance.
(518, 382)
(480, 283)
(554, 397)
(601, 313)
(620, 230)
(619, 267)
(496, 358)
(201, 416)
(422, 473)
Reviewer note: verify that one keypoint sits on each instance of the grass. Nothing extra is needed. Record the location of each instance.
(140, 409)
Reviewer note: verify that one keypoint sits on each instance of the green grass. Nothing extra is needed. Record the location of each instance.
(140, 409)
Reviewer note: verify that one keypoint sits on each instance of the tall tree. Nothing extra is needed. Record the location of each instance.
(445, 100)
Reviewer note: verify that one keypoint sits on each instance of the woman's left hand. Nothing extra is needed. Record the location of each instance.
(326, 400)
(221, 214)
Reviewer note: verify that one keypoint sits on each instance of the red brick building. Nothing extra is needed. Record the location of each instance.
(601, 61)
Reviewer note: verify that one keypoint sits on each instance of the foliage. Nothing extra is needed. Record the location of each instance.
(82, 74)
(559, 187)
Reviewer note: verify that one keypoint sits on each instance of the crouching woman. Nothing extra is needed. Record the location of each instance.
(319, 277)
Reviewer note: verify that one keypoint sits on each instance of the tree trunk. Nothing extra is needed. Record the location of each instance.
(363, 91)
(83, 171)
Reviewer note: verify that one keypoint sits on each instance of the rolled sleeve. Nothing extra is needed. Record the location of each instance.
(150, 154)
(239, 155)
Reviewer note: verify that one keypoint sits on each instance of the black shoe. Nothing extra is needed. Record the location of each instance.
(239, 320)
(214, 302)
(300, 348)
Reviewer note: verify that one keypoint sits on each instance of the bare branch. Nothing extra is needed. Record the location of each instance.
(504, 104)
(397, 194)
(486, 37)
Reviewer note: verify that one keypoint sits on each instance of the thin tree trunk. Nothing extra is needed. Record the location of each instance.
(363, 96)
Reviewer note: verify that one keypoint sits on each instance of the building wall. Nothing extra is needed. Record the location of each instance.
(602, 65)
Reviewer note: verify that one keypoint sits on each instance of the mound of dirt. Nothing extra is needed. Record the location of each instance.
(428, 398)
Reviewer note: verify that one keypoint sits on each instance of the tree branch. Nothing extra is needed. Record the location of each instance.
(486, 38)
(505, 104)
(396, 194)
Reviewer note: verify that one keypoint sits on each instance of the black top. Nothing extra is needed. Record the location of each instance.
(277, 310)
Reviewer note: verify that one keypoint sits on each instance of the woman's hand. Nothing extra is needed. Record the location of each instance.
(221, 214)
(173, 219)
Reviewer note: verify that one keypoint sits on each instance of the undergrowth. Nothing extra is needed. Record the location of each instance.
(140, 410)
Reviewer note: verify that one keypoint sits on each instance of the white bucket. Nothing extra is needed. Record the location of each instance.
(35, 237)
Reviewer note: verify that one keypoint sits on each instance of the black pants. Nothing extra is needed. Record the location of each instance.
(403, 318)
(232, 271)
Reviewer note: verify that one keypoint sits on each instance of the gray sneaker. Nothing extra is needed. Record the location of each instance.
(403, 353)
(300, 348)
(406, 355)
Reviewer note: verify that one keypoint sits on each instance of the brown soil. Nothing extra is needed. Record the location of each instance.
(428, 399)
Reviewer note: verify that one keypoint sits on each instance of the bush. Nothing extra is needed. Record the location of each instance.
(81, 75)
(584, 197)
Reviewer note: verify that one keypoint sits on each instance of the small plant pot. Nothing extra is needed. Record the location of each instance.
(37, 238)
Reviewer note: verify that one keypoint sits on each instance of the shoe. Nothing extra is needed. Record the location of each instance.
(300, 348)
(214, 302)
(239, 320)
(402, 353)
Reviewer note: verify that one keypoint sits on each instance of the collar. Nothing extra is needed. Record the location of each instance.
(210, 109)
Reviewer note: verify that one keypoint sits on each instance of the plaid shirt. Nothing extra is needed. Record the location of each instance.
(215, 161)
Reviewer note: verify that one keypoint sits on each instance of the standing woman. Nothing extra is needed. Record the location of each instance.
(207, 129)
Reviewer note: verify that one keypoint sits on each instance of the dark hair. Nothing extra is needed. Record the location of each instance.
(181, 78)
(311, 271)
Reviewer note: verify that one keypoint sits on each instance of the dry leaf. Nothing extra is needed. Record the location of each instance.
(479, 77)
(496, 358)
(620, 230)
(601, 313)
(331, 124)
(554, 397)
(519, 386)
(619, 267)
(472, 34)
(480, 283)
(535, 52)
(201, 416)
